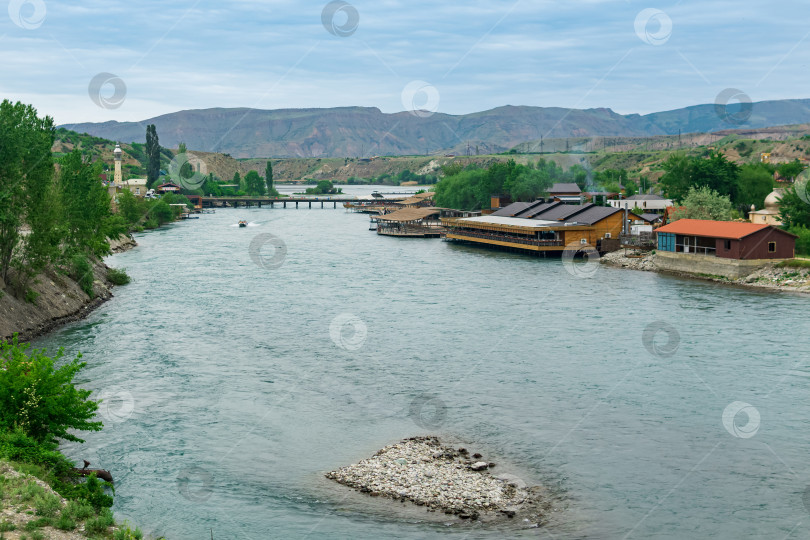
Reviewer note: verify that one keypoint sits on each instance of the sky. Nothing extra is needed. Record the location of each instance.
(95, 61)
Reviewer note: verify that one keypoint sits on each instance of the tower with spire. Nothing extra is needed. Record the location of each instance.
(118, 180)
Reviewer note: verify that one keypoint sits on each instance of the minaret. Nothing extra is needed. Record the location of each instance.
(117, 179)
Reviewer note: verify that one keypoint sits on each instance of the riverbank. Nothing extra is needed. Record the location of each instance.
(30, 508)
(425, 472)
(55, 300)
(771, 277)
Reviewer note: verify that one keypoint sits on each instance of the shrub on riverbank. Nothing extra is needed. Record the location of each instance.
(118, 276)
(39, 398)
(794, 263)
(38, 406)
(803, 240)
(82, 272)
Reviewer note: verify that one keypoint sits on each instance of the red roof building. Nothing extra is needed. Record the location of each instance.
(726, 239)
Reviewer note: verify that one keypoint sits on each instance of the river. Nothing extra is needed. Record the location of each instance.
(242, 364)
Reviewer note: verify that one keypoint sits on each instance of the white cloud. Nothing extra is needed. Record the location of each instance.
(479, 55)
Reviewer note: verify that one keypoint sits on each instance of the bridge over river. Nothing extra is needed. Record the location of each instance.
(247, 202)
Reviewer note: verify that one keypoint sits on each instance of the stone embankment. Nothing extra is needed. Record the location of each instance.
(423, 471)
(787, 279)
(55, 300)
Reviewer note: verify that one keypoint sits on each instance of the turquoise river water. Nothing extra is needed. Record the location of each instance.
(242, 364)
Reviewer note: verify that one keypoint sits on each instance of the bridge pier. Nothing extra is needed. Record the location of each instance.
(321, 204)
(310, 204)
(285, 204)
(334, 204)
(296, 205)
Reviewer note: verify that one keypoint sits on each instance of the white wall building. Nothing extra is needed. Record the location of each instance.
(648, 203)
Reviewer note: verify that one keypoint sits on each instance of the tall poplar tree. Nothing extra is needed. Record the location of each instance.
(268, 176)
(152, 156)
(26, 181)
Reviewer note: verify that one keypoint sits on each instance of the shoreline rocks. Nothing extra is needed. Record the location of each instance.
(768, 277)
(423, 471)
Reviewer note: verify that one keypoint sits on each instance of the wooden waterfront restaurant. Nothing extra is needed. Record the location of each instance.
(539, 226)
(412, 221)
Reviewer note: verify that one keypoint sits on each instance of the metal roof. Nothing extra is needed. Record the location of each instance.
(512, 209)
(565, 188)
(713, 229)
(511, 221)
(409, 214)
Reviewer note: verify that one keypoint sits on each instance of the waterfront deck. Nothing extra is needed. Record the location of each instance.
(503, 240)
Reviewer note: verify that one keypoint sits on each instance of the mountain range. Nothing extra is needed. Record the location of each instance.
(366, 131)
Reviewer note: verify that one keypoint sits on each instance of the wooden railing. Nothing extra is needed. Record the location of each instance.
(506, 238)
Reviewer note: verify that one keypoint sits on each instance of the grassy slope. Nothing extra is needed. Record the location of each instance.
(638, 155)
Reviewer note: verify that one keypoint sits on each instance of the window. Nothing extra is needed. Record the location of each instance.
(727, 245)
(771, 247)
(583, 241)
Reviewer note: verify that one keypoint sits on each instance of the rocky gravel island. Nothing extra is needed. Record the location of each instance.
(423, 471)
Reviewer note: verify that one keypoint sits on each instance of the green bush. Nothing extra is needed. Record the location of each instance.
(35, 524)
(125, 533)
(118, 276)
(803, 240)
(31, 296)
(79, 510)
(47, 505)
(64, 523)
(41, 399)
(83, 273)
(101, 523)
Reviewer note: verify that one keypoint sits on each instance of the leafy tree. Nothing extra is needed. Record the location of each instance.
(323, 187)
(579, 175)
(41, 399)
(631, 188)
(794, 209)
(677, 178)
(714, 171)
(131, 208)
(186, 170)
(152, 156)
(452, 169)
(704, 203)
(718, 173)
(459, 191)
(86, 204)
(211, 186)
(611, 178)
(803, 240)
(644, 184)
(237, 179)
(268, 177)
(161, 212)
(790, 170)
(26, 176)
(254, 185)
(754, 183)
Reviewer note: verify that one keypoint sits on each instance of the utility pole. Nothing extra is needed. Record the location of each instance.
(541, 144)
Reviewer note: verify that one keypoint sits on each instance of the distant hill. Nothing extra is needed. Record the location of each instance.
(363, 131)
